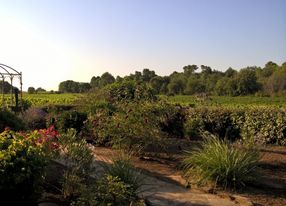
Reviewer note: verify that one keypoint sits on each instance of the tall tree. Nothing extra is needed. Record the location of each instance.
(106, 78)
(147, 75)
(31, 90)
(190, 69)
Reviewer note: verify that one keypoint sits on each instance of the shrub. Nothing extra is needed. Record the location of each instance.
(113, 191)
(171, 118)
(134, 127)
(118, 92)
(23, 157)
(263, 125)
(35, 118)
(122, 168)
(217, 121)
(8, 119)
(78, 158)
(222, 163)
(67, 120)
(266, 125)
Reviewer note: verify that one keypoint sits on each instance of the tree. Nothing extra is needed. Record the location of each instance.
(226, 86)
(247, 82)
(276, 82)
(190, 69)
(194, 86)
(206, 69)
(156, 84)
(31, 90)
(147, 75)
(177, 84)
(69, 86)
(95, 82)
(40, 90)
(6, 87)
(84, 87)
(105, 79)
(230, 72)
(268, 69)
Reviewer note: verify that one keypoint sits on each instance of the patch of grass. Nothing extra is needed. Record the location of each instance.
(221, 163)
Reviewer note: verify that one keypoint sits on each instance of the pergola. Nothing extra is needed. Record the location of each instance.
(7, 72)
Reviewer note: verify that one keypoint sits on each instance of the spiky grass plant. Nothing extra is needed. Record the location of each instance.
(123, 168)
(222, 163)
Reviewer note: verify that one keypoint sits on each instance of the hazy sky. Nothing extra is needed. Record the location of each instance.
(55, 40)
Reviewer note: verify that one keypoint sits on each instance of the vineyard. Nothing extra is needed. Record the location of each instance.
(227, 101)
(184, 100)
(46, 99)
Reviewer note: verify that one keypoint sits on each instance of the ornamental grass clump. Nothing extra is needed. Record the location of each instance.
(220, 162)
(123, 168)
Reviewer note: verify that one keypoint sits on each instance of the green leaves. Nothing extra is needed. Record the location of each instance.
(220, 162)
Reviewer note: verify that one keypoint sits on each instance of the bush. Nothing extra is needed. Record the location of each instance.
(263, 125)
(171, 118)
(222, 163)
(217, 121)
(8, 119)
(35, 118)
(23, 157)
(122, 168)
(135, 126)
(113, 191)
(266, 125)
(67, 120)
(78, 159)
(118, 92)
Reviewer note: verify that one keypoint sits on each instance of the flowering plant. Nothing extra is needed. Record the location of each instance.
(23, 157)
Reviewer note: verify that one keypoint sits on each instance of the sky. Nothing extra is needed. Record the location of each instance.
(50, 41)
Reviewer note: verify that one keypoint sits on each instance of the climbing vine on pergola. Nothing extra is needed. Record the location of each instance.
(10, 74)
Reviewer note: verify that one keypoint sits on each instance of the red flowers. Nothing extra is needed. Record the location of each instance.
(49, 133)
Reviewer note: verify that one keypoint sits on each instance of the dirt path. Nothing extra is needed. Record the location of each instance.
(163, 185)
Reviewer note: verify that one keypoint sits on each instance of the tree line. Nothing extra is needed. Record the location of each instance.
(267, 80)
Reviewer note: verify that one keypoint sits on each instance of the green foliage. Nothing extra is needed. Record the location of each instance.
(195, 85)
(45, 99)
(23, 157)
(78, 158)
(70, 86)
(118, 186)
(276, 82)
(159, 84)
(114, 191)
(246, 82)
(77, 154)
(222, 163)
(8, 119)
(177, 84)
(229, 102)
(129, 91)
(122, 168)
(67, 120)
(216, 120)
(134, 126)
(264, 125)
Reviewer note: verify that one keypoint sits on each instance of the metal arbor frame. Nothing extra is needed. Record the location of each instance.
(9, 72)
